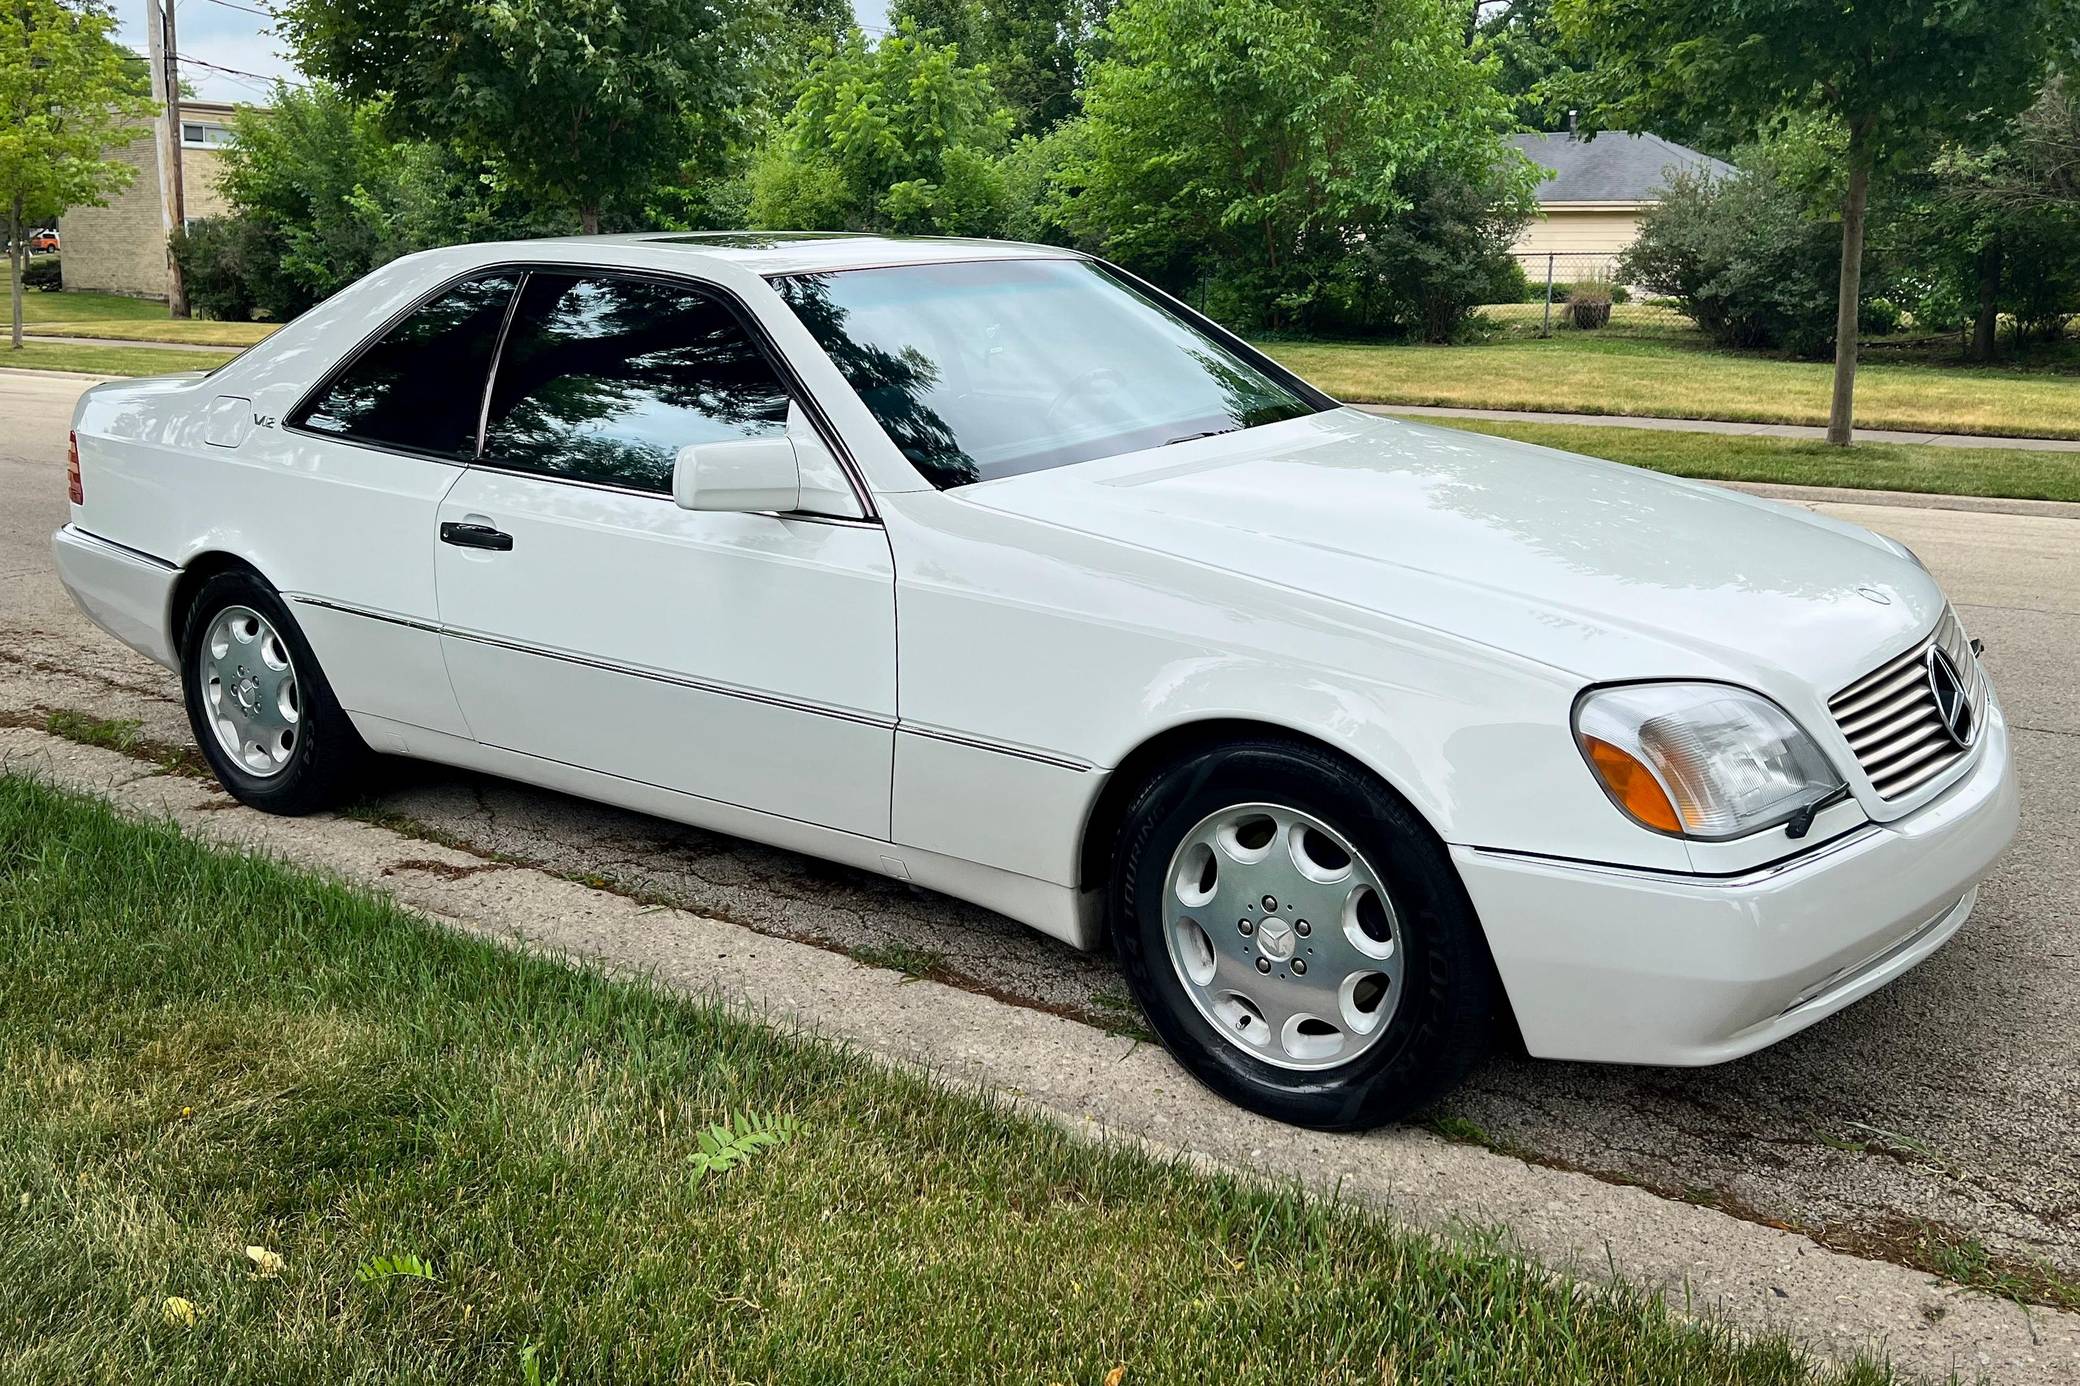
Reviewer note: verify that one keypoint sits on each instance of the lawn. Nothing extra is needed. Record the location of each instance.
(106, 360)
(1866, 466)
(76, 313)
(226, 1085)
(1577, 373)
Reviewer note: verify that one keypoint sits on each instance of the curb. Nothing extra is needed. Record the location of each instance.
(1101, 1086)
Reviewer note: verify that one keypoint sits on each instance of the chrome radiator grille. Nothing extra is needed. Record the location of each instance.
(1902, 720)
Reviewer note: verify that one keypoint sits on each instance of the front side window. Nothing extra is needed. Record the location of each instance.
(604, 379)
(984, 369)
(421, 387)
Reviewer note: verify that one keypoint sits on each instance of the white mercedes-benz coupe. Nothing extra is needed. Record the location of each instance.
(994, 569)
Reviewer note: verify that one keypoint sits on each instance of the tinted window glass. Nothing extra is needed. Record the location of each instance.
(606, 379)
(989, 368)
(422, 386)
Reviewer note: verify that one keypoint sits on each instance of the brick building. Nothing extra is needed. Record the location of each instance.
(121, 248)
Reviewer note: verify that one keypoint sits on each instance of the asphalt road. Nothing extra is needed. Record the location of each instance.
(1944, 1106)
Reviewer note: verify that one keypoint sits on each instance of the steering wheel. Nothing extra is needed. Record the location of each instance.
(1083, 383)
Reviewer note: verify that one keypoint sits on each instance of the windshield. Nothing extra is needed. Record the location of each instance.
(989, 368)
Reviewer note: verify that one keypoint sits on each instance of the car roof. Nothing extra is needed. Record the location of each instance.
(797, 252)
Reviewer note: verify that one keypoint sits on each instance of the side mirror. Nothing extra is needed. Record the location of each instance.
(741, 474)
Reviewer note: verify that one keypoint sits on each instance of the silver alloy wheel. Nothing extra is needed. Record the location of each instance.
(249, 690)
(1283, 936)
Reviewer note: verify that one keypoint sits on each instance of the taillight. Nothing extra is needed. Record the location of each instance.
(72, 486)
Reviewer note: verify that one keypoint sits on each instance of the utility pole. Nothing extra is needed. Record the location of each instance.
(166, 83)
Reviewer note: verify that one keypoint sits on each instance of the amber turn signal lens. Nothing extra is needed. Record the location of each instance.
(72, 486)
(1633, 785)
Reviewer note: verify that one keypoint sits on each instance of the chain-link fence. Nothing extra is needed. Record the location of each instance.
(1582, 291)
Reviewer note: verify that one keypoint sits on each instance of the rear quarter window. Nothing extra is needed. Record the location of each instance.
(420, 387)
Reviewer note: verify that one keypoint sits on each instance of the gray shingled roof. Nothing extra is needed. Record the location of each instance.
(1615, 166)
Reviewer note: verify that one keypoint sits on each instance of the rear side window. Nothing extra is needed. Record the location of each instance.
(604, 379)
(421, 387)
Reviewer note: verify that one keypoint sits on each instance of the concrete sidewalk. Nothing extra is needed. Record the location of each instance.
(1800, 432)
(35, 336)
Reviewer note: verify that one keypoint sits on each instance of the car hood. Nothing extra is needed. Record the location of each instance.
(1602, 570)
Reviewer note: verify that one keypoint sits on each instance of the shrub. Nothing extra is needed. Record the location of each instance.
(42, 273)
(1879, 317)
(1744, 258)
(213, 256)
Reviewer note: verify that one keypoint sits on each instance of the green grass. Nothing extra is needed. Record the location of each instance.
(202, 1053)
(1584, 374)
(2008, 472)
(78, 313)
(106, 360)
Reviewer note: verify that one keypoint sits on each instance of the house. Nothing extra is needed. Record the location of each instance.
(121, 248)
(1599, 187)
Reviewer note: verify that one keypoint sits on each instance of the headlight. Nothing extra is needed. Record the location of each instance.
(1703, 760)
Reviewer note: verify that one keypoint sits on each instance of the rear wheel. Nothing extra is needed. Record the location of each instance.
(260, 707)
(1298, 937)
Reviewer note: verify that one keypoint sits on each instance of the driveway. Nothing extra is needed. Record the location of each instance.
(1941, 1110)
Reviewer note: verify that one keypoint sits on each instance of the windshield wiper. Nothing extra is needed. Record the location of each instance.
(1208, 433)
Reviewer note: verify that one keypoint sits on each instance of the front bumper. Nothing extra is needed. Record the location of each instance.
(1615, 965)
(124, 592)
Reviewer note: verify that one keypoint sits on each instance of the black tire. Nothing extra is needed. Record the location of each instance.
(1445, 1013)
(327, 761)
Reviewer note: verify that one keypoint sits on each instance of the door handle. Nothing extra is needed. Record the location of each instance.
(476, 537)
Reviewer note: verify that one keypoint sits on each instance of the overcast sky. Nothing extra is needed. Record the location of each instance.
(219, 34)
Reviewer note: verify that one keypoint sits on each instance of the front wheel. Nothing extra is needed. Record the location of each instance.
(1298, 938)
(259, 706)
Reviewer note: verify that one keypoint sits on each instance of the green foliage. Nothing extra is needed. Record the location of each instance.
(378, 1270)
(1994, 233)
(1033, 49)
(732, 1142)
(1289, 151)
(901, 136)
(576, 105)
(320, 195)
(43, 273)
(1741, 257)
(1531, 63)
(69, 94)
(1897, 77)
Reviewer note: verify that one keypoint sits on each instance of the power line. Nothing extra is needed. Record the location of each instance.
(240, 72)
(264, 14)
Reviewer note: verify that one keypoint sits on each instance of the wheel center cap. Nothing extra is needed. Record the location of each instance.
(1275, 939)
(248, 694)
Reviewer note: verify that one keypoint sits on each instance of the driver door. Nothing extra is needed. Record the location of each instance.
(587, 619)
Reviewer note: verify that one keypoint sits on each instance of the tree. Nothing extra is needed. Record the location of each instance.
(1033, 48)
(1897, 77)
(1531, 64)
(576, 104)
(319, 195)
(69, 94)
(900, 136)
(1997, 228)
(1265, 144)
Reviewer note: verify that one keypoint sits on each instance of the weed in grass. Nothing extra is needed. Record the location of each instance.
(379, 1270)
(356, 1074)
(110, 733)
(730, 1143)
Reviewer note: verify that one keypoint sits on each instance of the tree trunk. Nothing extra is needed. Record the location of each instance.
(14, 266)
(1986, 327)
(588, 220)
(1841, 418)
